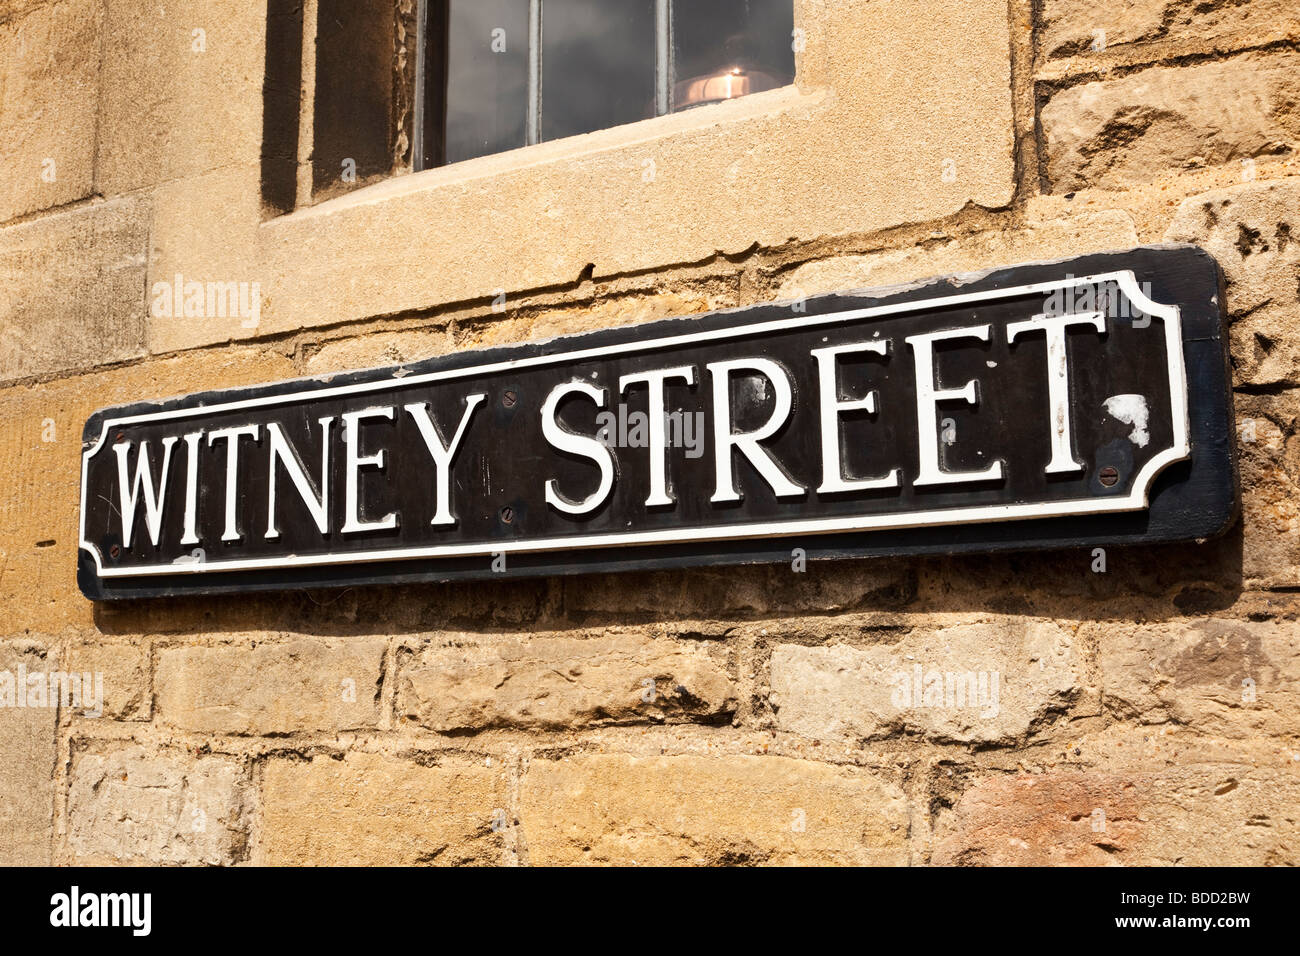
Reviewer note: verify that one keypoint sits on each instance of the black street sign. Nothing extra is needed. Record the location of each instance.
(1074, 403)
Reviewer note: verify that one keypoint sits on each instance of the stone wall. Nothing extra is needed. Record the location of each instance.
(1147, 713)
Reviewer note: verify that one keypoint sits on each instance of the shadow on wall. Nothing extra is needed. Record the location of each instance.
(1150, 583)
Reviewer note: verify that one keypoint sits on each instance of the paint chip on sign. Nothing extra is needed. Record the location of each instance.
(1131, 410)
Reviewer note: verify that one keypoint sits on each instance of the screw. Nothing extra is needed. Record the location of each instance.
(509, 399)
(119, 437)
(507, 514)
(115, 551)
(1108, 476)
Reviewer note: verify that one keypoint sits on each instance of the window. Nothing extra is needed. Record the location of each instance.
(357, 91)
(494, 75)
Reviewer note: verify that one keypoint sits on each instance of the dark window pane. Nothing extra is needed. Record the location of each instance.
(486, 63)
(598, 64)
(727, 48)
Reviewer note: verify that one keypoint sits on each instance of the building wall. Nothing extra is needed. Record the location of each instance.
(1148, 712)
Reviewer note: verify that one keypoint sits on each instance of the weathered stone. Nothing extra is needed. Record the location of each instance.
(1073, 27)
(353, 99)
(823, 586)
(124, 670)
(372, 810)
(979, 683)
(1129, 747)
(1253, 230)
(377, 609)
(1268, 448)
(1222, 676)
(1141, 126)
(1042, 238)
(40, 454)
(72, 289)
(1071, 584)
(13, 9)
(49, 68)
(205, 231)
(545, 323)
(471, 682)
(622, 810)
(263, 688)
(158, 807)
(182, 93)
(1201, 815)
(373, 351)
(28, 753)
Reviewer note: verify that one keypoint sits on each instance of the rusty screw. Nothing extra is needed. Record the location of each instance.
(509, 399)
(1108, 476)
(114, 551)
(507, 514)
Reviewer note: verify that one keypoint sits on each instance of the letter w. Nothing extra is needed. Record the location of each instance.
(130, 489)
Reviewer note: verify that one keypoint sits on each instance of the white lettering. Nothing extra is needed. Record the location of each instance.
(833, 479)
(130, 490)
(565, 440)
(231, 437)
(748, 443)
(928, 395)
(352, 443)
(658, 414)
(282, 451)
(1058, 380)
(442, 453)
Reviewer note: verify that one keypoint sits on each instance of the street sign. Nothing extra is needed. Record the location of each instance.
(1083, 402)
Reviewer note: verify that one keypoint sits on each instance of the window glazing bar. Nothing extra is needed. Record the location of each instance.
(533, 132)
(417, 114)
(663, 57)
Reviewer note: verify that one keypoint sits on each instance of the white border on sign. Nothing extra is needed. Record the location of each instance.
(1135, 500)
